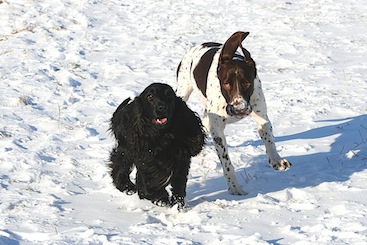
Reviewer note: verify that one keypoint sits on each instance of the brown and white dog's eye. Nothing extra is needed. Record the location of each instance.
(149, 97)
(227, 85)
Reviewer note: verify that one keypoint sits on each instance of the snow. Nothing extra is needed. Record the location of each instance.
(66, 65)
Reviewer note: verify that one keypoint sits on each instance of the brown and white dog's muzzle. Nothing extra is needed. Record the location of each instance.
(239, 107)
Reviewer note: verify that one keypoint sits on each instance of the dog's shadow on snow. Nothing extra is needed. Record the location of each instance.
(344, 157)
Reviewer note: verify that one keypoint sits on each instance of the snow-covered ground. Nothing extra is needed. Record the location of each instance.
(66, 65)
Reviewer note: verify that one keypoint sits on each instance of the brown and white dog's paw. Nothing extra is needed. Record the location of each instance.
(236, 190)
(281, 165)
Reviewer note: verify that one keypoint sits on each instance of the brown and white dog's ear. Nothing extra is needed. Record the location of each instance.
(231, 45)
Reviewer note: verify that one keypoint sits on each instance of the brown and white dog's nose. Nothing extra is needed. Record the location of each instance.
(239, 107)
(239, 103)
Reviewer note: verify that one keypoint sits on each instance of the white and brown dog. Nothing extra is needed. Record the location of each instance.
(230, 88)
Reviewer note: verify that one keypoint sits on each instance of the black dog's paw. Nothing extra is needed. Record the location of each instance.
(130, 191)
(179, 201)
(161, 202)
(129, 188)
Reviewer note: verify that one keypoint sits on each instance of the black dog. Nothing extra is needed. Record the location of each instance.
(158, 134)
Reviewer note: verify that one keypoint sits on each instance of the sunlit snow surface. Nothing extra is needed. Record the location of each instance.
(65, 66)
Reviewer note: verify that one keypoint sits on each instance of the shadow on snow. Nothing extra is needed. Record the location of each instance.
(347, 155)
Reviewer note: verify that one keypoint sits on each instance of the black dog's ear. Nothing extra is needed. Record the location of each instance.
(231, 45)
(190, 126)
(125, 117)
(118, 118)
(121, 107)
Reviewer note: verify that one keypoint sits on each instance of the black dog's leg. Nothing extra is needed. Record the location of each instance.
(120, 171)
(147, 190)
(178, 183)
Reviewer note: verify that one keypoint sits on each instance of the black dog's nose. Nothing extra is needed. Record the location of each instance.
(162, 107)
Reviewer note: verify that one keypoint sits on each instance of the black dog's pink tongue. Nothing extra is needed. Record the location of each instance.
(161, 120)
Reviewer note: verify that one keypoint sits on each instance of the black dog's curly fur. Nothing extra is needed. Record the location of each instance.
(158, 134)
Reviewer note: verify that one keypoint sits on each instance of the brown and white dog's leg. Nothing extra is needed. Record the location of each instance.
(259, 114)
(217, 131)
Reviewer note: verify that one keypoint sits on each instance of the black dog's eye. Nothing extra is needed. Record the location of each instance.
(150, 97)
